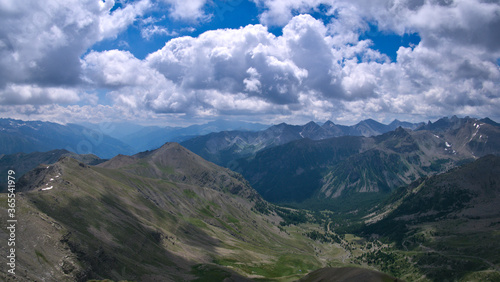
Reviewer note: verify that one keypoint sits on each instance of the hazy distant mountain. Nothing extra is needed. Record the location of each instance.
(335, 167)
(225, 147)
(32, 136)
(119, 130)
(142, 138)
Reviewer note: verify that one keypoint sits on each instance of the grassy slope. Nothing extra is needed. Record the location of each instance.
(109, 223)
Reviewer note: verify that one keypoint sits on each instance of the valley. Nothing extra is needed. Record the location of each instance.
(414, 205)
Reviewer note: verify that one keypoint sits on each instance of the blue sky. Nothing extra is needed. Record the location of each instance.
(176, 62)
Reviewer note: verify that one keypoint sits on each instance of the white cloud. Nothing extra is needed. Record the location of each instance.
(252, 84)
(115, 68)
(42, 41)
(152, 30)
(191, 10)
(318, 69)
(15, 94)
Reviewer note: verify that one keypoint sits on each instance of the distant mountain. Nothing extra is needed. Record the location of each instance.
(37, 136)
(225, 147)
(294, 171)
(316, 171)
(120, 130)
(153, 137)
(466, 135)
(447, 220)
(22, 162)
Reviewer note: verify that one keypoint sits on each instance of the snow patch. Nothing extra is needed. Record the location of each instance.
(48, 188)
(436, 136)
(447, 144)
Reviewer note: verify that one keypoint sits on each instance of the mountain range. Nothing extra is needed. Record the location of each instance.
(317, 170)
(142, 138)
(416, 204)
(18, 136)
(224, 147)
(107, 140)
(23, 162)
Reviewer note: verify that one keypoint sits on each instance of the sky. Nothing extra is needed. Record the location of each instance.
(179, 62)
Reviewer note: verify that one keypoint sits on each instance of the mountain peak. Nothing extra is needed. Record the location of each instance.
(175, 163)
(370, 121)
(328, 123)
(311, 124)
(490, 121)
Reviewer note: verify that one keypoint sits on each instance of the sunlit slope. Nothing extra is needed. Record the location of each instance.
(166, 215)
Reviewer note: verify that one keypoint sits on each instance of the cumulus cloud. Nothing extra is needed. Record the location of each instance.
(453, 69)
(41, 41)
(15, 94)
(115, 69)
(191, 10)
(317, 69)
(153, 30)
(249, 70)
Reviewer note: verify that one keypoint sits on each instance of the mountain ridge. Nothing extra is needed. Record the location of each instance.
(379, 163)
(112, 221)
(224, 147)
(31, 136)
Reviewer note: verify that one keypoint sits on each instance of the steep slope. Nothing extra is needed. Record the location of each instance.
(293, 172)
(163, 215)
(448, 220)
(37, 136)
(396, 159)
(22, 162)
(467, 135)
(224, 147)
